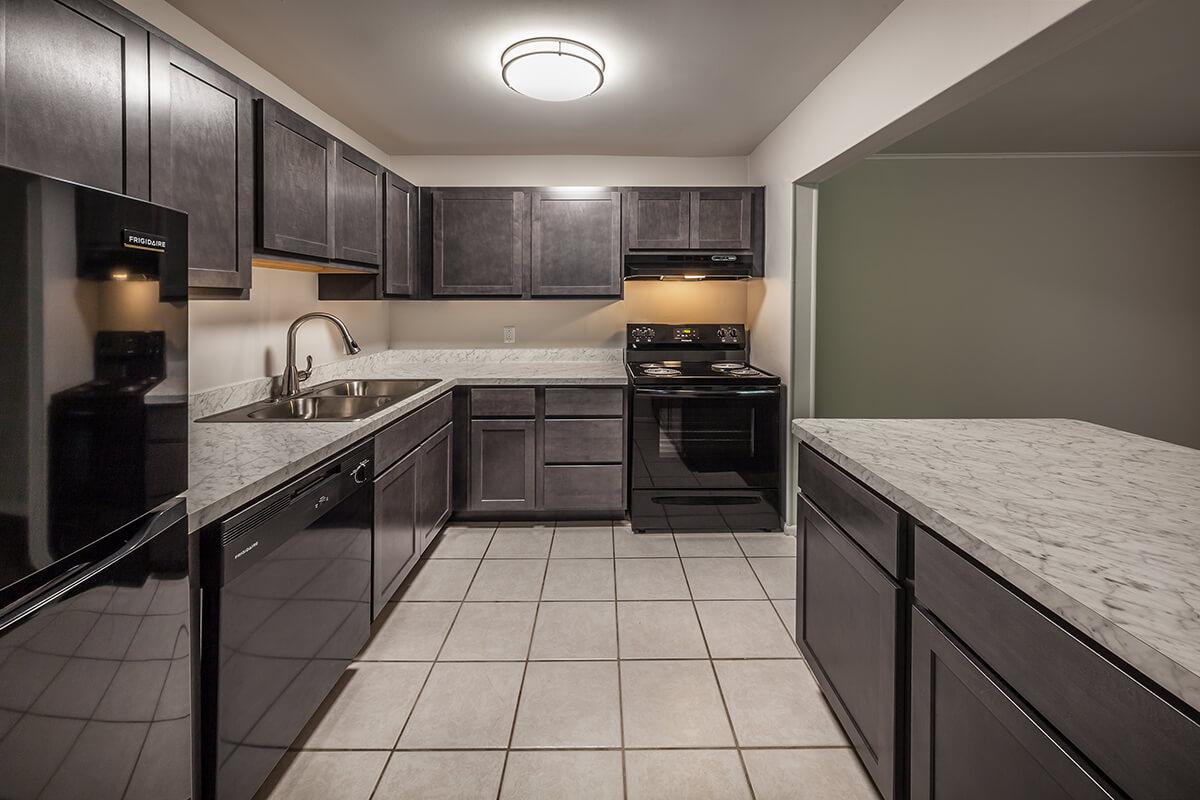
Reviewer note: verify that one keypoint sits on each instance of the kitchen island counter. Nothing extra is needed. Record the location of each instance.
(1100, 526)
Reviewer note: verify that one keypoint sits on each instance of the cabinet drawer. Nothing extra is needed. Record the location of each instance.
(864, 516)
(608, 402)
(847, 625)
(1136, 738)
(399, 438)
(593, 487)
(503, 402)
(584, 441)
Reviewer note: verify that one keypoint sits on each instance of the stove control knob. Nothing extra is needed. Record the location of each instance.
(642, 335)
(727, 334)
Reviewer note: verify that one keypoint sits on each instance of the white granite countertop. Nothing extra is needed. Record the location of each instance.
(1100, 526)
(231, 463)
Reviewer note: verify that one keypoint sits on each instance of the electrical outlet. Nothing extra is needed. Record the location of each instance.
(510, 334)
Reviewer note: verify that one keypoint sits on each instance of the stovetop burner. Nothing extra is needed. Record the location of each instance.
(687, 357)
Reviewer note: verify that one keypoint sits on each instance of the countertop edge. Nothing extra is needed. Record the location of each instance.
(1109, 635)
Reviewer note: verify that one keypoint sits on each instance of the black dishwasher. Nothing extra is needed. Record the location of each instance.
(286, 605)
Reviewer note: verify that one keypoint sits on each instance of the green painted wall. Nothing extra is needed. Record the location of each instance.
(1012, 287)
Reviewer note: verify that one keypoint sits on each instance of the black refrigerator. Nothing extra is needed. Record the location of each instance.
(95, 620)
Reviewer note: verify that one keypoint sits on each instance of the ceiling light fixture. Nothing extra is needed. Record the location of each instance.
(552, 68)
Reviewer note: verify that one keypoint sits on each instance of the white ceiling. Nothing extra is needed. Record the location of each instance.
(1133, 88)
(685, 77)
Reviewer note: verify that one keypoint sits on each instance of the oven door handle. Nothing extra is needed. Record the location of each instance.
(765, 391)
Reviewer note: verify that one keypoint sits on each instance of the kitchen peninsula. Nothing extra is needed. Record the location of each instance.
(1050, 567)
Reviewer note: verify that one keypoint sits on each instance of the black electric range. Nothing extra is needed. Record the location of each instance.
(706, 433)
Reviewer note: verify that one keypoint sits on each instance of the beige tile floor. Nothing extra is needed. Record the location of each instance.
(581, 661)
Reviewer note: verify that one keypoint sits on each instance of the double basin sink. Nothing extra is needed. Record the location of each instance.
(336, 400)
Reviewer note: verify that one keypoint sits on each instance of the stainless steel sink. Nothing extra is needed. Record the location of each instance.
(317, 408)
(398, 388)
(332, 401)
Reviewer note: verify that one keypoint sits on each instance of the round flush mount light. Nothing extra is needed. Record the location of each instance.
(552, 68)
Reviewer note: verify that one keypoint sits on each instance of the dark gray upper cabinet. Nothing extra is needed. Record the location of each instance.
(400, 236)
(358, 206)
(480, 241)
(296, 168)
(202, 162)
(658, 219)
(576, 243)
(721, 219)
(74, 96)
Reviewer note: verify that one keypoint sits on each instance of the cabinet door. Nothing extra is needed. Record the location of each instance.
(295, 183)
(503, 464)
(74, 97)
(480, 241)
(848, 627)
(358, 206)
(658, 219)
(400, 236)
(972, 738)
(434, 470)
(576, 243)
(721, 219)
(395, 536)
(202, 159)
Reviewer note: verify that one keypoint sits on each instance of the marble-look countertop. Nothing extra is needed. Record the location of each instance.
(231, 463)
(1100, 526)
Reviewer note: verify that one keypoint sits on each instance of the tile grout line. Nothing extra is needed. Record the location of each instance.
(512, 729)
(713, 668)
(612, 535)
(770, 599)
(408, 717)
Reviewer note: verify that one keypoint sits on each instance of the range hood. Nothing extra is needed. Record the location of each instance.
(695, 265)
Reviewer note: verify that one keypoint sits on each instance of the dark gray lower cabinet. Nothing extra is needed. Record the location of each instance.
(434, 476)
(972, 738)
(537, 451)
(413, 497)
(395, 536)
(848, 614)
(74, 97)
(503, 465)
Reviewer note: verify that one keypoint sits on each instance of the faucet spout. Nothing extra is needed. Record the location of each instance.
(292, 376)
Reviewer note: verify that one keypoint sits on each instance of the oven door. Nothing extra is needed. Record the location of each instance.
(706, 438)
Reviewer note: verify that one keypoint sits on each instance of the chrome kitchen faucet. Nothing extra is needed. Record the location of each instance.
(293, 377)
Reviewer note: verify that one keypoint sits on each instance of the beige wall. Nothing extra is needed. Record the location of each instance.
(564, 323)
(1013, 287)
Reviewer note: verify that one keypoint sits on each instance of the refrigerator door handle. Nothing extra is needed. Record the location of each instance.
(150, 525)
